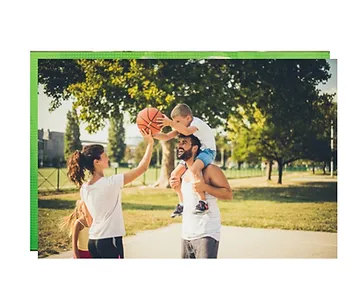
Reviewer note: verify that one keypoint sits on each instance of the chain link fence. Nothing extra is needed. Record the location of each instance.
(55, 179)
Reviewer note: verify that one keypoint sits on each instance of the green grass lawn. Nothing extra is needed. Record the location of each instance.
(298, 204)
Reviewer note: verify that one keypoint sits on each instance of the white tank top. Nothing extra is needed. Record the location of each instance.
(196, 226)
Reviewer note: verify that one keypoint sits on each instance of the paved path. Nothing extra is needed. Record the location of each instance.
(235, 242)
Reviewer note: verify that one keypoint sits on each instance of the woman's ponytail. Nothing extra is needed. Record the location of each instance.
(78, 162)
(76, 169)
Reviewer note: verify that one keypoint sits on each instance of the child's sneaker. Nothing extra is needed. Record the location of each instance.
(178, 211)
(201, 207)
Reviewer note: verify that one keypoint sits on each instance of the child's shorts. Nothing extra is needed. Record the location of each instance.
(84, 254)
(207, 156)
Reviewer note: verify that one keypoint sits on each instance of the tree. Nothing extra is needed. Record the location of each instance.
(72, 134)
(57, 76)
(244, 136)
(139, 153)
(116, 146)
(222, 148)
(291, 107)
(106, 88)
(129, 154)
(282, 90)
(320, 150)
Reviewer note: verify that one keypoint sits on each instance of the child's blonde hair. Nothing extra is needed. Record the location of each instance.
(67, 223)
(182, 110)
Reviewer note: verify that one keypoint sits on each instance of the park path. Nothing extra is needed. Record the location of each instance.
(238, 242)
(235, 242)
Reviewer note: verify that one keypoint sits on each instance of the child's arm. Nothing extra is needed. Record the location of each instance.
(165, 121)
(86, 214)
(165, 136)
(75, 235)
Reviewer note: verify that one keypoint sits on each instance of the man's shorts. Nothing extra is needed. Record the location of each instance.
(205, 247)
(207, 156)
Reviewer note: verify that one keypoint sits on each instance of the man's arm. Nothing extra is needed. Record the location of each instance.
(214, 183)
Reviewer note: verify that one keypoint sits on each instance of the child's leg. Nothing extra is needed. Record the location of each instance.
(196, 169)
(178, 172)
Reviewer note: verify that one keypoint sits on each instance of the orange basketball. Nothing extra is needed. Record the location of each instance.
(147, 119)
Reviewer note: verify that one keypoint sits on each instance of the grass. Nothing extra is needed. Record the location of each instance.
(298, 204)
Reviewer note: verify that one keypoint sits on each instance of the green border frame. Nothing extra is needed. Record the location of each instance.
(36, 55)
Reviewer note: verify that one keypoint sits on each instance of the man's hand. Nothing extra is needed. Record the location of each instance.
(164, 121)
(199, 186)
(174, 182)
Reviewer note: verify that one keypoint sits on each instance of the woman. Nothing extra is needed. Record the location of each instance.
(102, 196)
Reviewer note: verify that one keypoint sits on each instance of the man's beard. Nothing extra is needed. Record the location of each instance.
(184, 155)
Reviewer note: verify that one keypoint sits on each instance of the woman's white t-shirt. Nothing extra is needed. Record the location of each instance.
(103, 200)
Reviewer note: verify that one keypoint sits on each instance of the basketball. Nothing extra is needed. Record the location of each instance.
(147, 119)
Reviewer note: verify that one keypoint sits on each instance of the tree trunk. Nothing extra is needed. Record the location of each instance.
(222, 158)
(167, 164)
(269, 169)
(239, 164)
(313, 168)
(280, 169)
(324, 168)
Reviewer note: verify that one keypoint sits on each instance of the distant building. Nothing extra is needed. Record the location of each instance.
(50, 146)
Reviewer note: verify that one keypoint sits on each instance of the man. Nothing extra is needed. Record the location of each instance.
(200, 233)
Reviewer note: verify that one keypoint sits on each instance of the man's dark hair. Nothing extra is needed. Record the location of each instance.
(194, 141)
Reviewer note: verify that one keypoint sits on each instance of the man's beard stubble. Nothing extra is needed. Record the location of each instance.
(185, 155)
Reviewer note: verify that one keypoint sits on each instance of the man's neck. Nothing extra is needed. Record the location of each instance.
(190, 162)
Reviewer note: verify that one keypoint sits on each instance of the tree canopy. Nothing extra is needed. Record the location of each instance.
(272, 107)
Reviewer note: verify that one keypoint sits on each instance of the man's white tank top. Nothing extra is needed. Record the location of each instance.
(196, 226)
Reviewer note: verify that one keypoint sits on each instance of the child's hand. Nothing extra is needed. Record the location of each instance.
(174, 182)
(164, 121)
(199, 186)
(147, 136)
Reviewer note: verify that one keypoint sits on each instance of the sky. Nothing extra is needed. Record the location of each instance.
(56, 120)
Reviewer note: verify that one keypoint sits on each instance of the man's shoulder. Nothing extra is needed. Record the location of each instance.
(211, 168)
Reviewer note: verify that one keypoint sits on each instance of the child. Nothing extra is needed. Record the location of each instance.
(78, 225)
(185, 123)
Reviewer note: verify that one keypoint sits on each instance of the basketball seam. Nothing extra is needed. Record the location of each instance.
(155, 114)
(147, 114)
(154, 127)
(144, 120)
(149, 124)
(142, 125)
